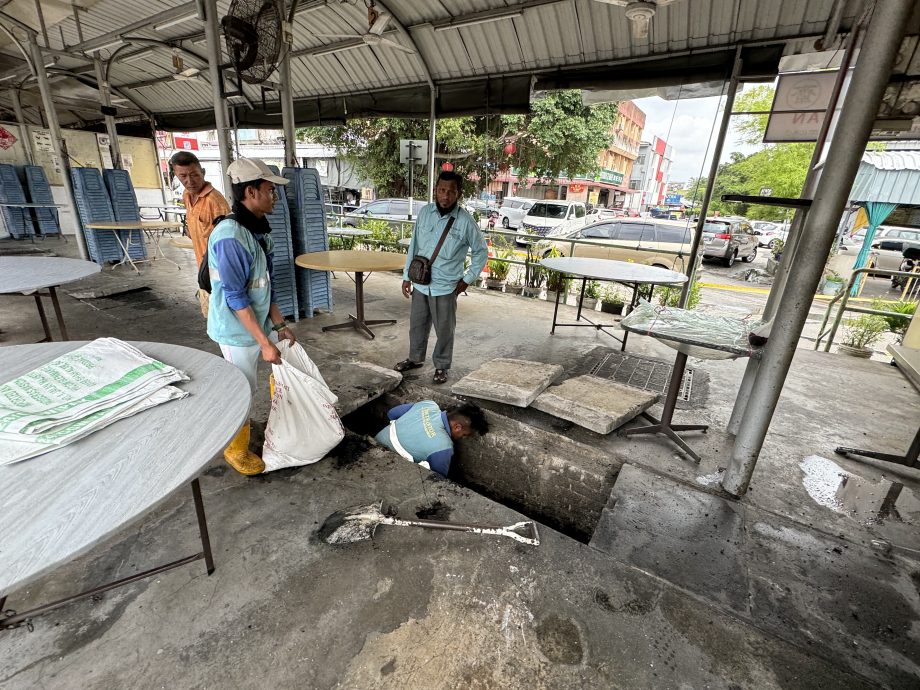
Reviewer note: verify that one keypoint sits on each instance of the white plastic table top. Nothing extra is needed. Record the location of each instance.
(609, 269)
(30, 273)
(59, 505)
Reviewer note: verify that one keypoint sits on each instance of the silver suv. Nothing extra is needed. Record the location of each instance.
(729, 239)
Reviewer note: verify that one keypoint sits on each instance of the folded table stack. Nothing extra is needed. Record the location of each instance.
(79, 393)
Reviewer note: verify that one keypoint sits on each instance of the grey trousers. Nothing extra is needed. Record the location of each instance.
(425, 311)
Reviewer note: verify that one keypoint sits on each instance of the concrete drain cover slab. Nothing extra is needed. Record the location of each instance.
(512, 381)
(648, 373)
(595, 403)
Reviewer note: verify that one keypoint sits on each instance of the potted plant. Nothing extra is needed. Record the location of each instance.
(536, 278)
(592, 295)
(777, 249)
(833, 283)
(515, 283)
(612, 301)
(556, 282)
(498, 272)
(860, 333)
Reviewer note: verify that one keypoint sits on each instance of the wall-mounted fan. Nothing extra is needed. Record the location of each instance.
(376, 24)
(253, 33)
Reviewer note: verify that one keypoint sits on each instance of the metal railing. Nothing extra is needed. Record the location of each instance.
(911, 292)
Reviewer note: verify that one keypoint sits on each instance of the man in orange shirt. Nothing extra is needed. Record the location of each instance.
(202, 203)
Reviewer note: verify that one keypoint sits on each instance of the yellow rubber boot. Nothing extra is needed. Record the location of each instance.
(271, 386)
(239, 457)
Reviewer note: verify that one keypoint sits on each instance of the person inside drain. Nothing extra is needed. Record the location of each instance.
(436, 301)
(425, 434)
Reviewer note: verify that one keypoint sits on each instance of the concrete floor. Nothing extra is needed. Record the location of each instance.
(798, 597)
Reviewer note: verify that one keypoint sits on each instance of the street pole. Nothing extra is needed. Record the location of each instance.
(870, 79)
(411, 174)
(214, 74)
(432, 173)
(287, 112)
(105, 96)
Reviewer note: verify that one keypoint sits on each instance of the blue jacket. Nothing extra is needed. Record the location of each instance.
(240, 278)
(423, 431)
(448, 267)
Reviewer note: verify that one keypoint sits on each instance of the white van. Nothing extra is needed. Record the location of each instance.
(551, 217)
(513, 210)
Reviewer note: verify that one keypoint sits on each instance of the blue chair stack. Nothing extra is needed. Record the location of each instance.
(308, 223)
(94, 206)
(49, 223)
(284, 279)
(18, 221)
(124, 205)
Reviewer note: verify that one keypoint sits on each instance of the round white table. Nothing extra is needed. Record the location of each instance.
(630, 274)
(29, 274)
(61, 504)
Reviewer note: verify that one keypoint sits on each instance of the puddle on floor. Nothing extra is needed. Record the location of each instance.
(868, 502)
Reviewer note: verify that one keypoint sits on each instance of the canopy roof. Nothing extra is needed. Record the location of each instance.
(888, 176)
(484, 56)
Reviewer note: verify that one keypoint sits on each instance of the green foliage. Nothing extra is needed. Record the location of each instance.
(863, 331)
(895, 324)
(593, 289)
(560, 134)
(669, 296)
(833, 276)
(557, 282)
(499, 268)
(612, 295)
(777, 248)
(384, 235)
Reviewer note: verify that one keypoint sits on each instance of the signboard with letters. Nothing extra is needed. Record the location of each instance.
(799, 105)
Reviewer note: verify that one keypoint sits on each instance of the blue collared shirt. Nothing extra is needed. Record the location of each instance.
(464, 236)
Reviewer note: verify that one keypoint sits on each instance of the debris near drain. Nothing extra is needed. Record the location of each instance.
(359, 524)
(752, 275)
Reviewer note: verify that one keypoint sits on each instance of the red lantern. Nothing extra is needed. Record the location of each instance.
(509, 149)
(447, 166)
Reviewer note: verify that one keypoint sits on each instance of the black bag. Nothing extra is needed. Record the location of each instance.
(204, 271)
(420, 266)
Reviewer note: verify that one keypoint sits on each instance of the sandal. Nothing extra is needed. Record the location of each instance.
(408, 364)
(440, 376)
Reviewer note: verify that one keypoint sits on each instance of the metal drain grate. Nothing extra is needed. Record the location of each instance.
(647, 373)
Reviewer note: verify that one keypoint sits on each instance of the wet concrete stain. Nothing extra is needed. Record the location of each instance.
(217, 471)
(350, 449)
(435, 511)
(388, 667)
(634, 607)
(560, 640)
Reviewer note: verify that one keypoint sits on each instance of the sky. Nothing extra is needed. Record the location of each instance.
(689, 130)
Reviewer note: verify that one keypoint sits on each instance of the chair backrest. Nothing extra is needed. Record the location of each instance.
(121, 192)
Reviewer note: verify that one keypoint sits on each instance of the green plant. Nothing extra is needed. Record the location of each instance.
(669, 296)
(896, 325)
(863, 331)
(593, 289)
(833, 276)
(612, 296)
(777, 248)
(382, 233)
(499, 268)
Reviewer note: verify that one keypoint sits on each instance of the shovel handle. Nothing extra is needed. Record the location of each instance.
(532, 536)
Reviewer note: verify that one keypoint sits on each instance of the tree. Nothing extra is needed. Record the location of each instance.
(559, 135)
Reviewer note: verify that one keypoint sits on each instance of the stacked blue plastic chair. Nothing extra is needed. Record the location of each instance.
(93, 206)
(49, 223)
(308, 223)
(18, 221)
(124, 204)
(284, 278)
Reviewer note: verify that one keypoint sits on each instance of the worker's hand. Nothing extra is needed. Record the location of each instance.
(407, 288)
(462, 285)
(270, 353)
(288, 335)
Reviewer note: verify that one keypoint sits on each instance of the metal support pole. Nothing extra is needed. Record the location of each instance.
(24, 134)
(161, 155)
(287, 112)
(212, 37)
(105, 96)
(860, 107)
(713, 171)
(57, 139)
(432, 122)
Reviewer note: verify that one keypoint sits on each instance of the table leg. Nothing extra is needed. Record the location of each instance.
(663, 425)
(57, 312)
(581, 298)
(555, 313)
(14, 619)
(358, 322)
(158, 250)
(41, 314)
(124, 249)
(910, 459)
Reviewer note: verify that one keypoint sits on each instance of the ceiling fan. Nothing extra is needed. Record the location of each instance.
(376, 24)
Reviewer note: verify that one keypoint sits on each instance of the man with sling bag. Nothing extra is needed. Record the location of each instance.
(434, 275)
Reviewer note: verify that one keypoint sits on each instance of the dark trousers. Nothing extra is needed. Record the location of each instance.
(440, 311)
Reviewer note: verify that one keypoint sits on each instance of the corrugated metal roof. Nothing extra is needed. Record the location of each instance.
(889, 176)
(546, 39)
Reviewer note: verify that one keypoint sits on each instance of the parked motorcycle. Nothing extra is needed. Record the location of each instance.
(911, 262)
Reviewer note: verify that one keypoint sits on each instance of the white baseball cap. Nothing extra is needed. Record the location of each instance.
(249, 169)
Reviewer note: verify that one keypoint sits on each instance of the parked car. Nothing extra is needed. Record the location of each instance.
(552, 217)
(639, 241)
(383, 209)
(601, 213)
(484, 208)
(888, 251)
(664, 213)
(768, 233)
(513, 210)
(729, 239)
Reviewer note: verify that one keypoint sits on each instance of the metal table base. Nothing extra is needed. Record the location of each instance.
(12, 619)
(910, 458)
(357, 320)
(52, 292)
(634, 300)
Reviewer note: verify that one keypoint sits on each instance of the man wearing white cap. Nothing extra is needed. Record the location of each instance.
(243, 316)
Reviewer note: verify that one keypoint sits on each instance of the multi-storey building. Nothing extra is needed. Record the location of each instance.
(649, 180)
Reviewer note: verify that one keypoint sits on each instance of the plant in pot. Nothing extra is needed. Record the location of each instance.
(515, 282)
(860, 333)
(592, 295)
(833, 283)
(776, 249)
(556, 282)
(498, 272)
(896, 325)
(612, 301)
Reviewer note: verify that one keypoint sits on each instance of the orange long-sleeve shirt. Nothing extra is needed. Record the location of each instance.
(200, 216)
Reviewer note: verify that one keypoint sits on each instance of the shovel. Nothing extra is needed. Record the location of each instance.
(357, 524)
